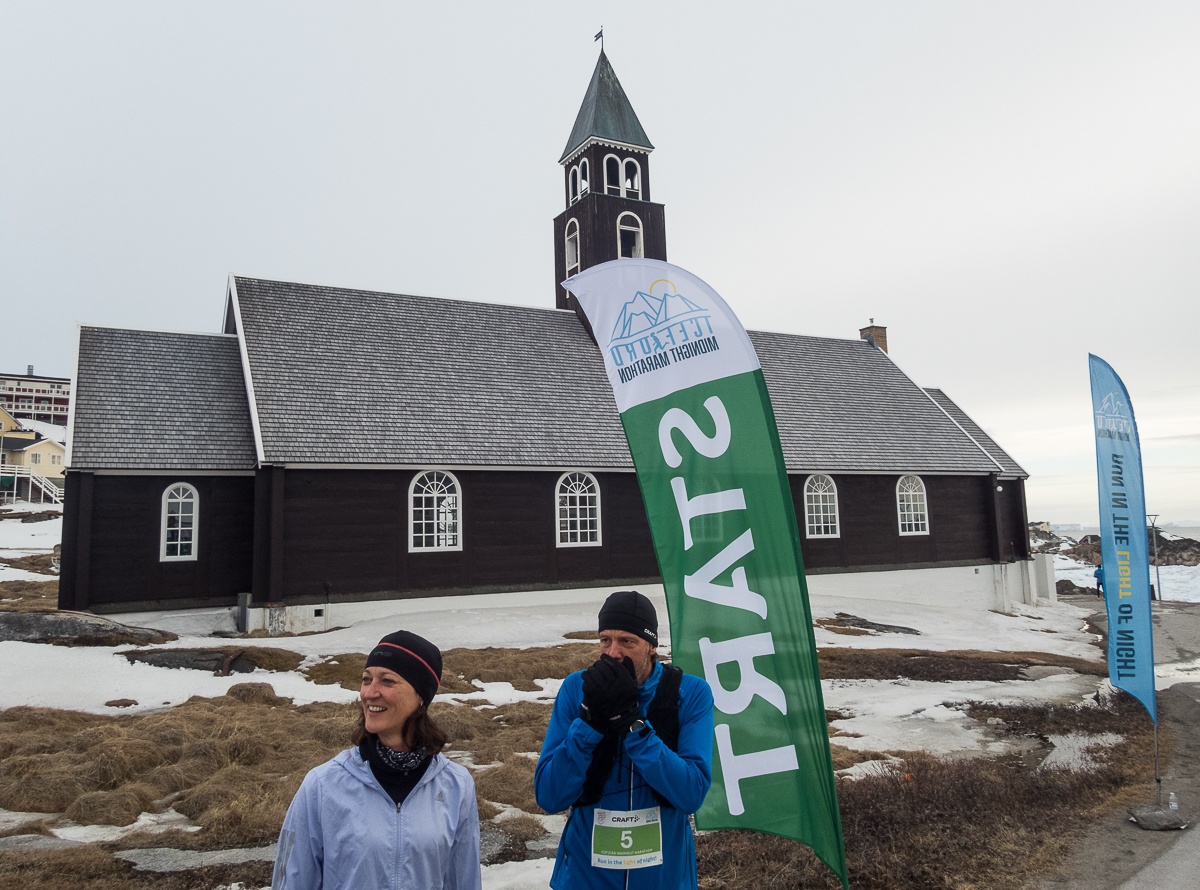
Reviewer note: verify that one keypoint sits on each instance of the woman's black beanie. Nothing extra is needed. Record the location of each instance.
(630, 611)
(412, 657)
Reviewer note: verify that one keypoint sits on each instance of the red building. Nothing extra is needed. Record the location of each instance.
(30, 397)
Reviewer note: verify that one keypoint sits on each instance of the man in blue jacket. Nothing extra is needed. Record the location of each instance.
(629, 750)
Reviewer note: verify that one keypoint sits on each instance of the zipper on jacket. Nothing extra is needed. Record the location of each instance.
(622, 752)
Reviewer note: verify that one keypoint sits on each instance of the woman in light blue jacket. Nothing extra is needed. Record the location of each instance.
(391, 812)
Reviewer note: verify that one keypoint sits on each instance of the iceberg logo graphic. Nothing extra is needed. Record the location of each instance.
(646, 312)
(1113, 420)
(657, 327)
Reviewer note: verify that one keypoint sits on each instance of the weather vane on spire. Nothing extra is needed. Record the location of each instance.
(600, 37)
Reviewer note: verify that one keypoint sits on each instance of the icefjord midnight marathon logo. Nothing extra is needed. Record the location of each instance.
(657, 329)
(1113, 420)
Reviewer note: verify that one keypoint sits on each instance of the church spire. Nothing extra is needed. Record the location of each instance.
(606, 187)
(606, 114)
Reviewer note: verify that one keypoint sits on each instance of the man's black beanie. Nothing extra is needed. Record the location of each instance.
(412, 657)
(628, 610)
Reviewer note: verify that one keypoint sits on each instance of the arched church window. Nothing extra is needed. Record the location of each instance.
(584, 178)
(820, 507)
(572, 247)
(578, 503)
(574, 179)
(612, 175)
(180, 514)
(911, 507)
(629, 236)
(632, 179)
(435, 511)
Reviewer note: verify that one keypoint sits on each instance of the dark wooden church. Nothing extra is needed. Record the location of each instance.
(332, 446)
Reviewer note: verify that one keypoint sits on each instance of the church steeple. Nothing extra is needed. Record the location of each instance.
(606, 114)
(606, 165)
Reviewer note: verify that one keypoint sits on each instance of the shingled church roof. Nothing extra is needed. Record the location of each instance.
(160, 401)
(340, 377)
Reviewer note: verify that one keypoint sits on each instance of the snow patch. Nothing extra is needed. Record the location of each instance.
(153, 822)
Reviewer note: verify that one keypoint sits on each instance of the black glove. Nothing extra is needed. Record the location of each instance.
(609, 691)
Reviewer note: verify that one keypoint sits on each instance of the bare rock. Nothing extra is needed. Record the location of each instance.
(165, 859)
(847, 620)
(74, 629)
(1156, 818)
(215, 661)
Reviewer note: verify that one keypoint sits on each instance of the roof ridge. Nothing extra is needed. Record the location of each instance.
(935, 404)
(113, 327)
(459, 300)
(1016, 463)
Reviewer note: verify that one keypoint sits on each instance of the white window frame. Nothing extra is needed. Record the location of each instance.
(56, 460)
(573, 185)
(912, 496)
(456, 513)
(816, 502)
(641, 238)
(564, 524)
(568, 235)
(181, 492)
(636, 179)
(585, 179)
(617, 185)
(35, 458)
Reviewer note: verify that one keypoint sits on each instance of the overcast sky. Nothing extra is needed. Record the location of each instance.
(1005, 186)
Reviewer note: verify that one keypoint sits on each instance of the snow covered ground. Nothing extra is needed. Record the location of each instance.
(19, 539)
(883, 715)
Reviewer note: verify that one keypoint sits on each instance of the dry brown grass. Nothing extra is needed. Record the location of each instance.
(491, 735)
(91, 868)
(344, 670)
(41, 563)
(236, 761)
(844, 758)
(233, 764)
(510, 783)
(28, 596)
(520, 667)
(460, 667)
(926, 822)
(918, 664)
(522, 828)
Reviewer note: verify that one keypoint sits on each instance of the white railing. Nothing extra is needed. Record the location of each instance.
(36, 485)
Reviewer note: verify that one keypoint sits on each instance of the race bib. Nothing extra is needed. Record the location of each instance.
(626, 838)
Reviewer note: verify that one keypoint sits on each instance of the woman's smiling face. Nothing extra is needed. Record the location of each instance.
(387, 701)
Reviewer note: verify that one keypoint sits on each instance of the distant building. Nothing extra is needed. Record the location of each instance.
(32, 397)
(31, 465)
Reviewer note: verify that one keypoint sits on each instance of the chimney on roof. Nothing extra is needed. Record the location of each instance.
(30, 372)
(875, 334)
